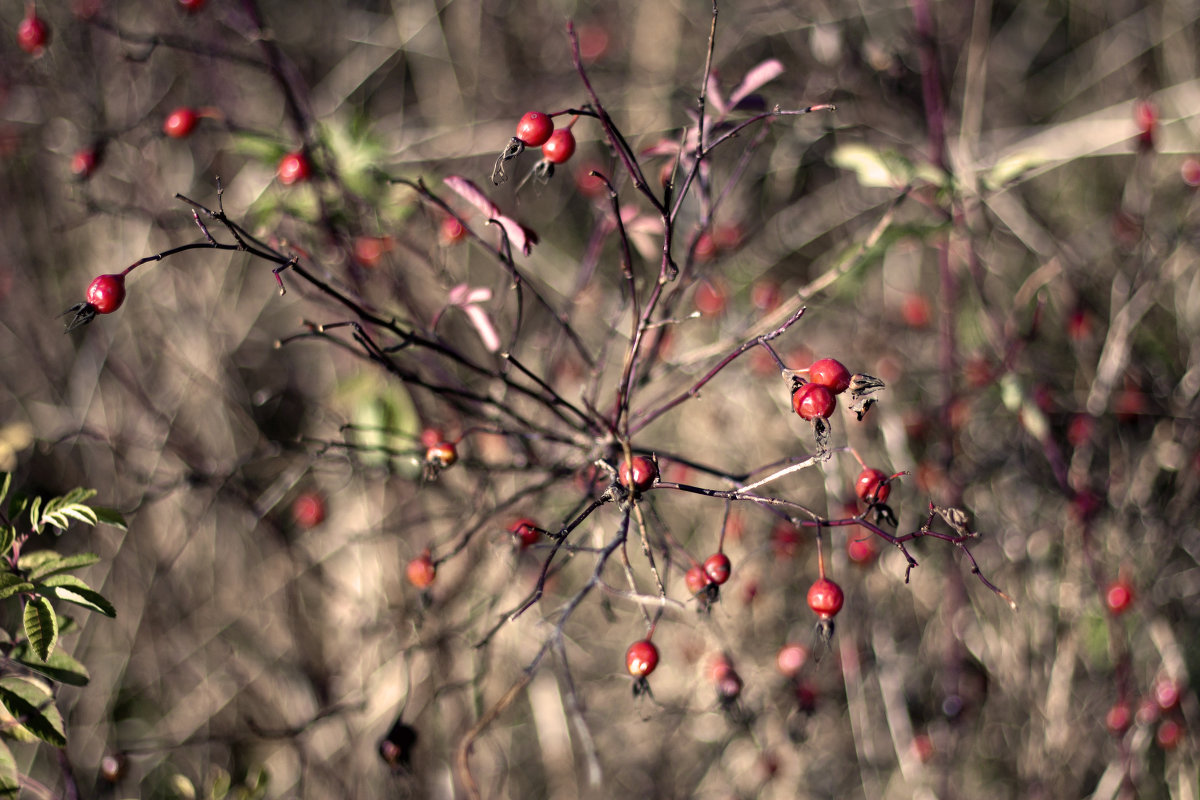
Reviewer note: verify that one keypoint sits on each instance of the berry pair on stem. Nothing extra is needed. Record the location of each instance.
(816, 399)
(536, 129)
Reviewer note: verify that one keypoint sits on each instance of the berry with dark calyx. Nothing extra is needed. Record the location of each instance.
(696, 579)
(831, 374)
(825, 598)
(535, 129)
(33, 33)
(717, 568)
(421, 571)
(106, 293)
(308, 510)
(872, 486)
(641, 658)
(559, 147)
(813, 401)
(294, 168)
(180, 123)
(441, 455)
(1118, 597)
(526, 531)
(644, 472)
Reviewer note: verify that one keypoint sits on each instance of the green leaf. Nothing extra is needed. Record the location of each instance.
(35, 558)
(11, 584)
(41, 627)
(8, 535)
(873, 167)
(52, 566)
(29, 712)
(71, 589)
(34, 507)
(10, 780)
(110, 516)
(4, 487)
(59, 667)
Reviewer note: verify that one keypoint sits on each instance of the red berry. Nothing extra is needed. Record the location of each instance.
(641, 658)
(645, 472)
(696, 579)
(294, 168)
(1189, 170)
(106, 293)
(535, 128)
(1119, 597)
(872, 486)
(421, 571)
(451, 230)
(813, 401)
(1118, 718)
(862, 550)
(559, 147)
(916, 311)
(526, 530)
(831, 374)
(308, 510)
(180, 122)
(369, 251)
(442, 455)
(191, 6)
(1166, 694)
(717, 568)
(825, 598)
(84, 162)
(710, 298)
(432, 436)
(766, 295)
(791, 658)
(33, 33)
(1168, 734)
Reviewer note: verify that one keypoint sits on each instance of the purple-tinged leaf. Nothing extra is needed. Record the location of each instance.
(758, 76)
(473, 195)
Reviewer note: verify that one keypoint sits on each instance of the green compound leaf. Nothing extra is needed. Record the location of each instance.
(11, 584)
(35, 558)
(10, 781)
(29, 713)
(41, 626)
(70, 589)
(60, 667)
(53, 566)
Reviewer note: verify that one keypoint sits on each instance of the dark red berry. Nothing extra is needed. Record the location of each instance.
(717, 568)
(294, 168)
(641, 658)
(644, 470)
(441, 455)
(872, 486)
(526, 531)
(1119, 597)
(1168, 734)
(559, 147)
(106, 293)
(421, 571)
(825, 598)
(308, 510)
(831, 374)
(192, 6)
(535, 128)
(180, 123)
(813, 401)
(696, 580)
(33, 33)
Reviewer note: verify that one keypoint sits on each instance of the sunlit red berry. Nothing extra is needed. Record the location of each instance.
(441, 455)
(308, 510)
(526, 531)
(180, 123)
(644, 473)
(559, 147)
(1119, 718)
(84, 162)
(813, 401)
(641, 658)
(696, 579)
(294, 168)
(790, 658)
(1119, 597)
(451, 231)
(872, 486)
(33, 33)
(535, 128)
(421, 571)
(717, 568)
(106, 293)
(830, 373)
(825, 598)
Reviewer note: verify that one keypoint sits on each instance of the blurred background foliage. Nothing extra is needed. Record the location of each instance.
(1030, 294)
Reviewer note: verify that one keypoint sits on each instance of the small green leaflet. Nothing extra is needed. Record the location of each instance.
(41, 626)
(30, 702)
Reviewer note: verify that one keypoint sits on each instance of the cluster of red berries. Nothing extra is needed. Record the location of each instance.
(294, 167)
(816, 399)
(1161, 707)
(536, 129)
